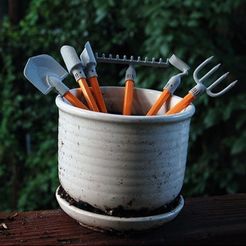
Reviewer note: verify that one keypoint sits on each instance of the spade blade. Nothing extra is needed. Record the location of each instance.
(39, 67)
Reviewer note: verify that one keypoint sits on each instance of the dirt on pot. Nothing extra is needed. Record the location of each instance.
(119, 211)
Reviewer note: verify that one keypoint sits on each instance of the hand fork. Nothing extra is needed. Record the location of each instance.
(200, 88)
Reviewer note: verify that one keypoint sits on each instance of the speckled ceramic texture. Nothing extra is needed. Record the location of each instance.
(110, 160)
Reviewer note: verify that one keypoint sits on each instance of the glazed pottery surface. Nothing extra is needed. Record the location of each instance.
(110, 160)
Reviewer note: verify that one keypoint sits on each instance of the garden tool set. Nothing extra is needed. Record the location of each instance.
(45, 73)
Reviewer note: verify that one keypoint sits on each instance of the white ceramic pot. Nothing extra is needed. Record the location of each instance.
(132, 162)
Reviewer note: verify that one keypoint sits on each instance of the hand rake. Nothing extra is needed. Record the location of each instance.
(129, 89)
(131, 74)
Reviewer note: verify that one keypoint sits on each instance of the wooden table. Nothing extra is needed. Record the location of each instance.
(210, 220)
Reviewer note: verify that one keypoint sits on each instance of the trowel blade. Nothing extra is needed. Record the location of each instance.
(178, 63)
(39, 67)
(87, 55)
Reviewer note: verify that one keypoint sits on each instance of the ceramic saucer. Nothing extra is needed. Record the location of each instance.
(111, 223)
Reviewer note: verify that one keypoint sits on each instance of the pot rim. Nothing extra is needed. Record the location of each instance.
(99, 116)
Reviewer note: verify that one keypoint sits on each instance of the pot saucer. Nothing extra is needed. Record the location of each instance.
(111, 223)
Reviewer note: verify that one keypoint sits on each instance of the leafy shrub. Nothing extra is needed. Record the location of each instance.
(192, 29)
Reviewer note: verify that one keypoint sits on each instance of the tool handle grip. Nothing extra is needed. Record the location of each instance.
(88, 95)
(128, 97)
(97, 93)
(186, 101)
(165, 95)
(70, 58)
(74, 100)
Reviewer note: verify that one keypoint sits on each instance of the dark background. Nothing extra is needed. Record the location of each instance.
(191, 29)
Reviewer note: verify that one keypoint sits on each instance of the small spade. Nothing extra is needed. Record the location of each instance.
(45, 73)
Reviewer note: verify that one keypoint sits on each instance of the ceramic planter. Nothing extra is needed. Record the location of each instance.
(132, 162)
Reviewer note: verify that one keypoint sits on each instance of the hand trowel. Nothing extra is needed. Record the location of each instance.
(45, 73)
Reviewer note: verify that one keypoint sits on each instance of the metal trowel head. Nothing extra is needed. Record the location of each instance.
(178, 63)
(38, 68)
(87, 55)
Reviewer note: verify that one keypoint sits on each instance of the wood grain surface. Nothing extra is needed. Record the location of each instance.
(217, 220)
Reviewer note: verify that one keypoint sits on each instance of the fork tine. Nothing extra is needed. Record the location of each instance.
(208, 90)
(223, 91)
(209, 73)
(218, 81)
(200, 67)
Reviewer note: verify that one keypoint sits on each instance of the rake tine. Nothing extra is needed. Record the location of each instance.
(209, 73)
(221, 92)
(200, 67)
(131, 60)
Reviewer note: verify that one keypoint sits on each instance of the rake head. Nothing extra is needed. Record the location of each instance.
(200, 81)
(116, 59)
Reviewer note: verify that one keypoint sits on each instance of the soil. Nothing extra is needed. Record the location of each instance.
(119, 113)
(119, 211)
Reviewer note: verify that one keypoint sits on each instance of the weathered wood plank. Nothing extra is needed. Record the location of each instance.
(215, 220)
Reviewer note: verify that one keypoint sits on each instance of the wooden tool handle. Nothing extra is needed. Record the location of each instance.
(182, 104)
(88, 95)
(128, 97)
(74, 100)
(160, 101)
(97, 93)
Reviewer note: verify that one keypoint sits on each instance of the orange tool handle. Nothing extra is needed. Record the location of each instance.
(98, 94)
(74, 100)
(88, 95)
(160, 101)
(128, 98)
(182, 104)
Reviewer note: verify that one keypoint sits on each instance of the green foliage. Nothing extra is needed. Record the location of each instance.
(192, 29)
